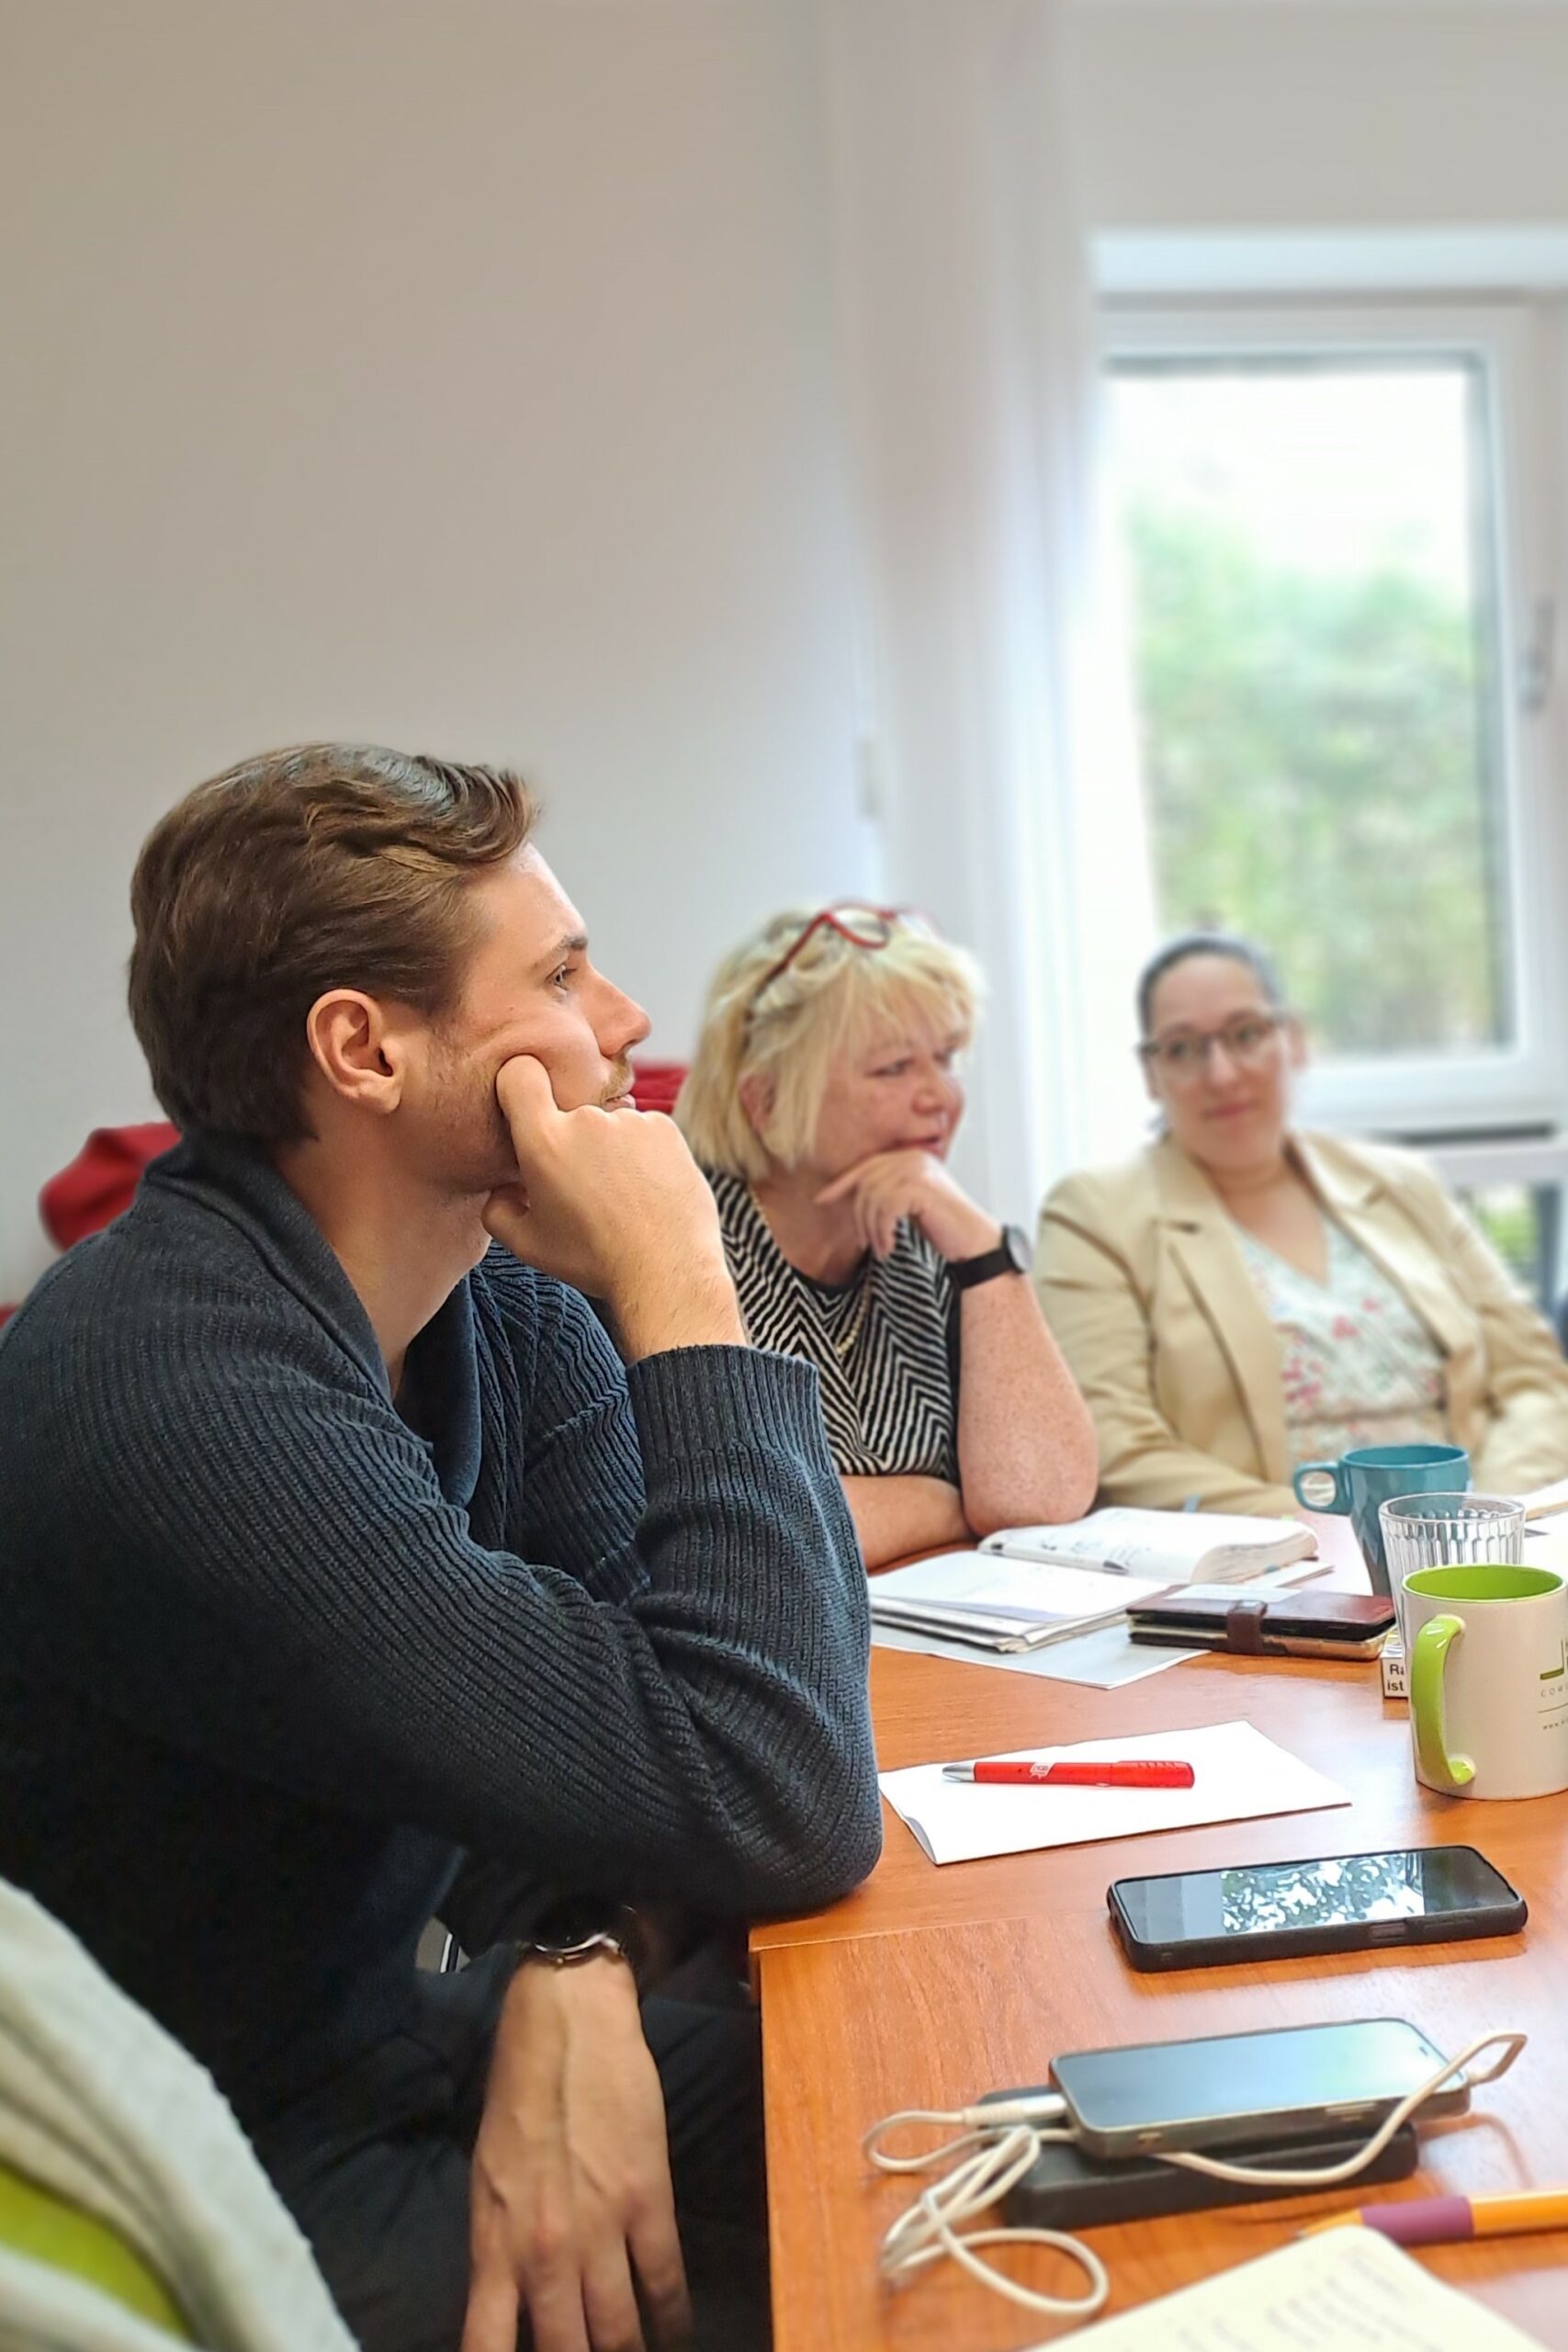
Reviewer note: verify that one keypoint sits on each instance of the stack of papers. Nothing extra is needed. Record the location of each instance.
(1348, 2290)
(1036, 1616)
(1237, 1775)
(1002, 1604)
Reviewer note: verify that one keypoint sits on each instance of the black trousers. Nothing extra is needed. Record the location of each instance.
(374, 2166)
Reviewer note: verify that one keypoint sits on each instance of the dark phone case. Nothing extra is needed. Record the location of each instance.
(1068, 2190)
(1501, 1918)
(1257, 1626)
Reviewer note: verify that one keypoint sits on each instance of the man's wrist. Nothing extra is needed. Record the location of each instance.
(601, 1985)
(573, 1932)
(678, 1306)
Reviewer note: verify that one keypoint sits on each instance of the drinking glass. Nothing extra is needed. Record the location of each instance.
(1449, 1532)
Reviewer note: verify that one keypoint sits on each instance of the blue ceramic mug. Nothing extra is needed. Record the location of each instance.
(1371, 1474)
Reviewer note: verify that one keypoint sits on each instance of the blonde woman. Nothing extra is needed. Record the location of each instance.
(822, 1102)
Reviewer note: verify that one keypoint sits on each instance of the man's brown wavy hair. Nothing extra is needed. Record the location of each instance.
(326, 865)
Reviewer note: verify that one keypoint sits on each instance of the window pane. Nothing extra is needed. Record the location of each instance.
(1315, 632)
(1522, 1222)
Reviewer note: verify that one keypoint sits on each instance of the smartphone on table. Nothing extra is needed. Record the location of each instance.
(1421, 1894)
(1230, 2090)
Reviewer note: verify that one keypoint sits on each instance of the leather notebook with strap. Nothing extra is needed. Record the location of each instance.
(1283, 1624)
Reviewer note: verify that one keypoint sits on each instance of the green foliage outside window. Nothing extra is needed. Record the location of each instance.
(1316, 765)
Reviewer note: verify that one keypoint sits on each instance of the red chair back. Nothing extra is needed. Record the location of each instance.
(100, 1181)
(655, 1085)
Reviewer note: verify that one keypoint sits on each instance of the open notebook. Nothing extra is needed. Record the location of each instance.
(1348, 2290)
(1171, 1546)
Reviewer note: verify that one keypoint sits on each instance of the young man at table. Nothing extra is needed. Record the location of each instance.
(337, 1546)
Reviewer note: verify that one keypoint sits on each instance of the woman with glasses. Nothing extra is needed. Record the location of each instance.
(1242, 1297)
(822, 1102)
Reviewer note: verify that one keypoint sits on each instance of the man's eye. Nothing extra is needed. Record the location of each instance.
(1181, 1053)
(560, 977)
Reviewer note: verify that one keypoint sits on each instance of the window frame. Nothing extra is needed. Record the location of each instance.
(1518, 345)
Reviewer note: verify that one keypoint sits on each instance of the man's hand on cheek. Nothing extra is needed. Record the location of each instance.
(613, 1202)
(572, 2200)
(506, 1210)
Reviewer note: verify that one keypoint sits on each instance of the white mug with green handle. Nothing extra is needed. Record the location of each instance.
(1488, 1665)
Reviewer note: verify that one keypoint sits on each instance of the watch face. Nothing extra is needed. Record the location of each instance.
(1015, 1241)
(567, 1926)
(575, 1929)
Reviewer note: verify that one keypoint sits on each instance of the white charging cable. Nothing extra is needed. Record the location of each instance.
(1004, 2138)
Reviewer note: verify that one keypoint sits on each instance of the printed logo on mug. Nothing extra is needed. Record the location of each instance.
(1488, 1662)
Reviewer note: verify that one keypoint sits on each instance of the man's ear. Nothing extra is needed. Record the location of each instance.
(758, 1095)
(358, 1051)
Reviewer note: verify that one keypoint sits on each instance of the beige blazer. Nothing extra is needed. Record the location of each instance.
(1143, 1283)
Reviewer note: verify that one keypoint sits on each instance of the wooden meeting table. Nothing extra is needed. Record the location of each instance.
(928, 1987)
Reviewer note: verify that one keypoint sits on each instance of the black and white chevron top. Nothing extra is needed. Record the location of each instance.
(885, 1343)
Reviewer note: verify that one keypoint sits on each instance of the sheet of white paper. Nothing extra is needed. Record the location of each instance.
(1103, 1660)
(1348, 2290)
(1238, 1775)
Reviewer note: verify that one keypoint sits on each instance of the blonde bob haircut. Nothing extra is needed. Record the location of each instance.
(790, 1029)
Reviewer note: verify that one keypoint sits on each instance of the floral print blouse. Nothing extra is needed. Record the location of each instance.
(1360, 1367)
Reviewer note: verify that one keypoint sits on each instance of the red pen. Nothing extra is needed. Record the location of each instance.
(1122, 1772)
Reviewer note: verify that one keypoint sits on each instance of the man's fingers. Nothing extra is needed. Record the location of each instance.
(661, 2275)
(489, 2323)
(553, 2301)
(609, 2300)
(505, 1217)
(524, 1092)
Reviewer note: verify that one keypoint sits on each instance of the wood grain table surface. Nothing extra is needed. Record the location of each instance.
(930, 1987)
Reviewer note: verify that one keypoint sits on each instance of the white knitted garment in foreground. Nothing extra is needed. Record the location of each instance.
(97, 2104)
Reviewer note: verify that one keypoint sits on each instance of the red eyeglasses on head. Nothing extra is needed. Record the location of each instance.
(862, 926)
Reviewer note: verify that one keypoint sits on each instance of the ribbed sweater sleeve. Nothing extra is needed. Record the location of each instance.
(254, 1558)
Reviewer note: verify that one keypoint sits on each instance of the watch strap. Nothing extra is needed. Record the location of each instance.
(1010, 1256)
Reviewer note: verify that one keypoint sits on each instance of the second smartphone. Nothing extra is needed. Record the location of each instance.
(1335, 1903)
(1230, 2089)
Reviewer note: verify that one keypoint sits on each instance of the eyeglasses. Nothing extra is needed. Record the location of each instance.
(1184, 1058)
(862, 926)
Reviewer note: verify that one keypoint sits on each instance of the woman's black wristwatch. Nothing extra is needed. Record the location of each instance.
(1010, 1256)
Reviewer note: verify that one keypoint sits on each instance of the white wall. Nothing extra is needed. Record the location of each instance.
(459, 376)
(1319, 112)
(463, 375)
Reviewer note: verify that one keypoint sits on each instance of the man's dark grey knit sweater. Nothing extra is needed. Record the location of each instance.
(270, 1660)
